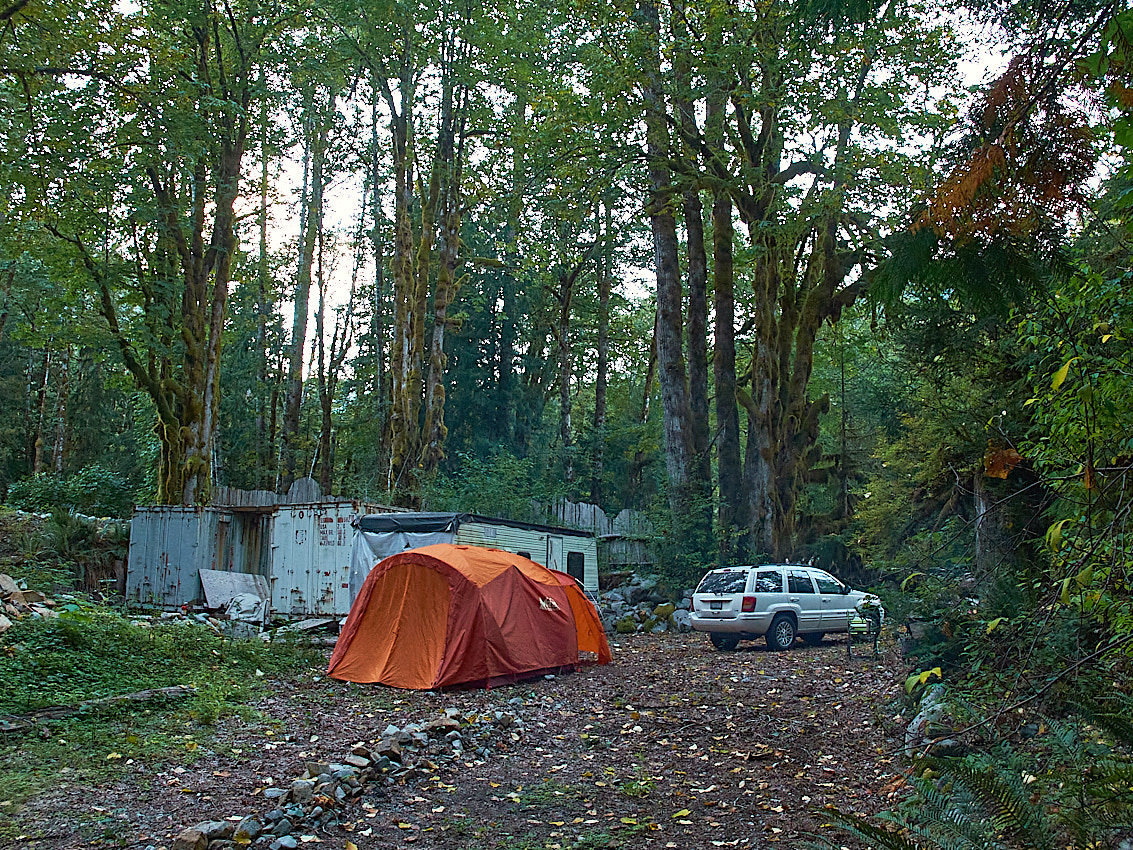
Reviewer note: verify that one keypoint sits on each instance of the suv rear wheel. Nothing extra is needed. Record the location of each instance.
(782, 633)
(723, 641)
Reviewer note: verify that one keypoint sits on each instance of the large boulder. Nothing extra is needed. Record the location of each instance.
(928, 722)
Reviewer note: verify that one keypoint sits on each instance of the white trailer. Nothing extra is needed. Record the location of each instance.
(378, 536)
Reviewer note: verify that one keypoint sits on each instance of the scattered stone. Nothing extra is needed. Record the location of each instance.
(440, 727)
(191, 839)
(390, 749)
(215, 829)
(249, 829)
(398, 758)
(302, 790)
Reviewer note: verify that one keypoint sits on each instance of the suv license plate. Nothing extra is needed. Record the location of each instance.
(716, 605)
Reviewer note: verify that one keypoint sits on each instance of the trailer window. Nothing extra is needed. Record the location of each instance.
(576, 565)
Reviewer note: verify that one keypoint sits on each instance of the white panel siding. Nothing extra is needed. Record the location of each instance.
(534, 542)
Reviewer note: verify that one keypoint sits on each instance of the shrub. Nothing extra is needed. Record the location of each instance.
(93, 490)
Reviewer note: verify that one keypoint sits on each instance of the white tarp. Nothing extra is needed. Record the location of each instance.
(371, 547)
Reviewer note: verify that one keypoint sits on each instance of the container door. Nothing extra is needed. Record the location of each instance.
(291, 572)
(331, 567)
(555, 553)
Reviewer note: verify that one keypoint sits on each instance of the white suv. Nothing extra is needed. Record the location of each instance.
(778, 601)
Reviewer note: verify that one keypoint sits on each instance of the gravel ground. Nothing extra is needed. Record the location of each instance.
(673, 745)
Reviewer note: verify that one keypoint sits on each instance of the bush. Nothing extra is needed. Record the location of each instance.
(93, 490)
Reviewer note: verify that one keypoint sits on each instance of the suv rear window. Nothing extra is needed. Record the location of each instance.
(768, 581)
(729, 582)
(799, 583)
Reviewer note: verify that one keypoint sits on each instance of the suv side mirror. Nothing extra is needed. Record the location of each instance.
(845, 589)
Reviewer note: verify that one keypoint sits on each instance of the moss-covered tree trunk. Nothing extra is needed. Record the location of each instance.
(449, 161)
(317, 126)
(670, 324)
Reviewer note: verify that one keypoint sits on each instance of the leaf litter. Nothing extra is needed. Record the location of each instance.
(674, 744)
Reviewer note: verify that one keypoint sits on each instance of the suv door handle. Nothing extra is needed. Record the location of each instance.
(794, 599)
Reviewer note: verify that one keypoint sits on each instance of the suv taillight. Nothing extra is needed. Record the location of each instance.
(749, 604)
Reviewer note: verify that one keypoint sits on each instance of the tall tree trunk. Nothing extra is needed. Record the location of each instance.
(562, 335)
(40, 443)
(507, 383)
(449, 154)
(697, 323)
(62, 391)
(381, 381)
(732, 513)
(670, 359)
(405, 362)
(605, 282)
(318, 128)
(326, 393)
(264, 453)
(5, 293)
(330, 361)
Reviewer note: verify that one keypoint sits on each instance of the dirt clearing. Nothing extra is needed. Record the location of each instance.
(673, 745)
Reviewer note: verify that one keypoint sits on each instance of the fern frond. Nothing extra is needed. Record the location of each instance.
(1112, 712)
(881, 836)
(1004, 796)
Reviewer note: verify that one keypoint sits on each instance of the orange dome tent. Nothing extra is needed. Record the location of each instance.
(447, 615)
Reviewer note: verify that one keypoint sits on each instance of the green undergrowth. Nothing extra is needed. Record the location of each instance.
(89, 653)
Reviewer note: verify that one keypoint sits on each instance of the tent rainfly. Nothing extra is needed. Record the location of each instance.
(446, 615)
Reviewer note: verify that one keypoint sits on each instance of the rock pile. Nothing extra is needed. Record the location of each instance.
(17, 602)
(640, 606)
(314, 800)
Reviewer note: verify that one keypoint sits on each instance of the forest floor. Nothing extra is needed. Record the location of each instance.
(673, 745)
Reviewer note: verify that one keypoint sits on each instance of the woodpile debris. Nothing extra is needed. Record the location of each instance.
(17, 602)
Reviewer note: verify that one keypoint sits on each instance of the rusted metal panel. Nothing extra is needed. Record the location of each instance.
(311, 558)
(168, 548)
(303, 551)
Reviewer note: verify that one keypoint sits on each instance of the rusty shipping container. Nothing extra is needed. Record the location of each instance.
(302, 550)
